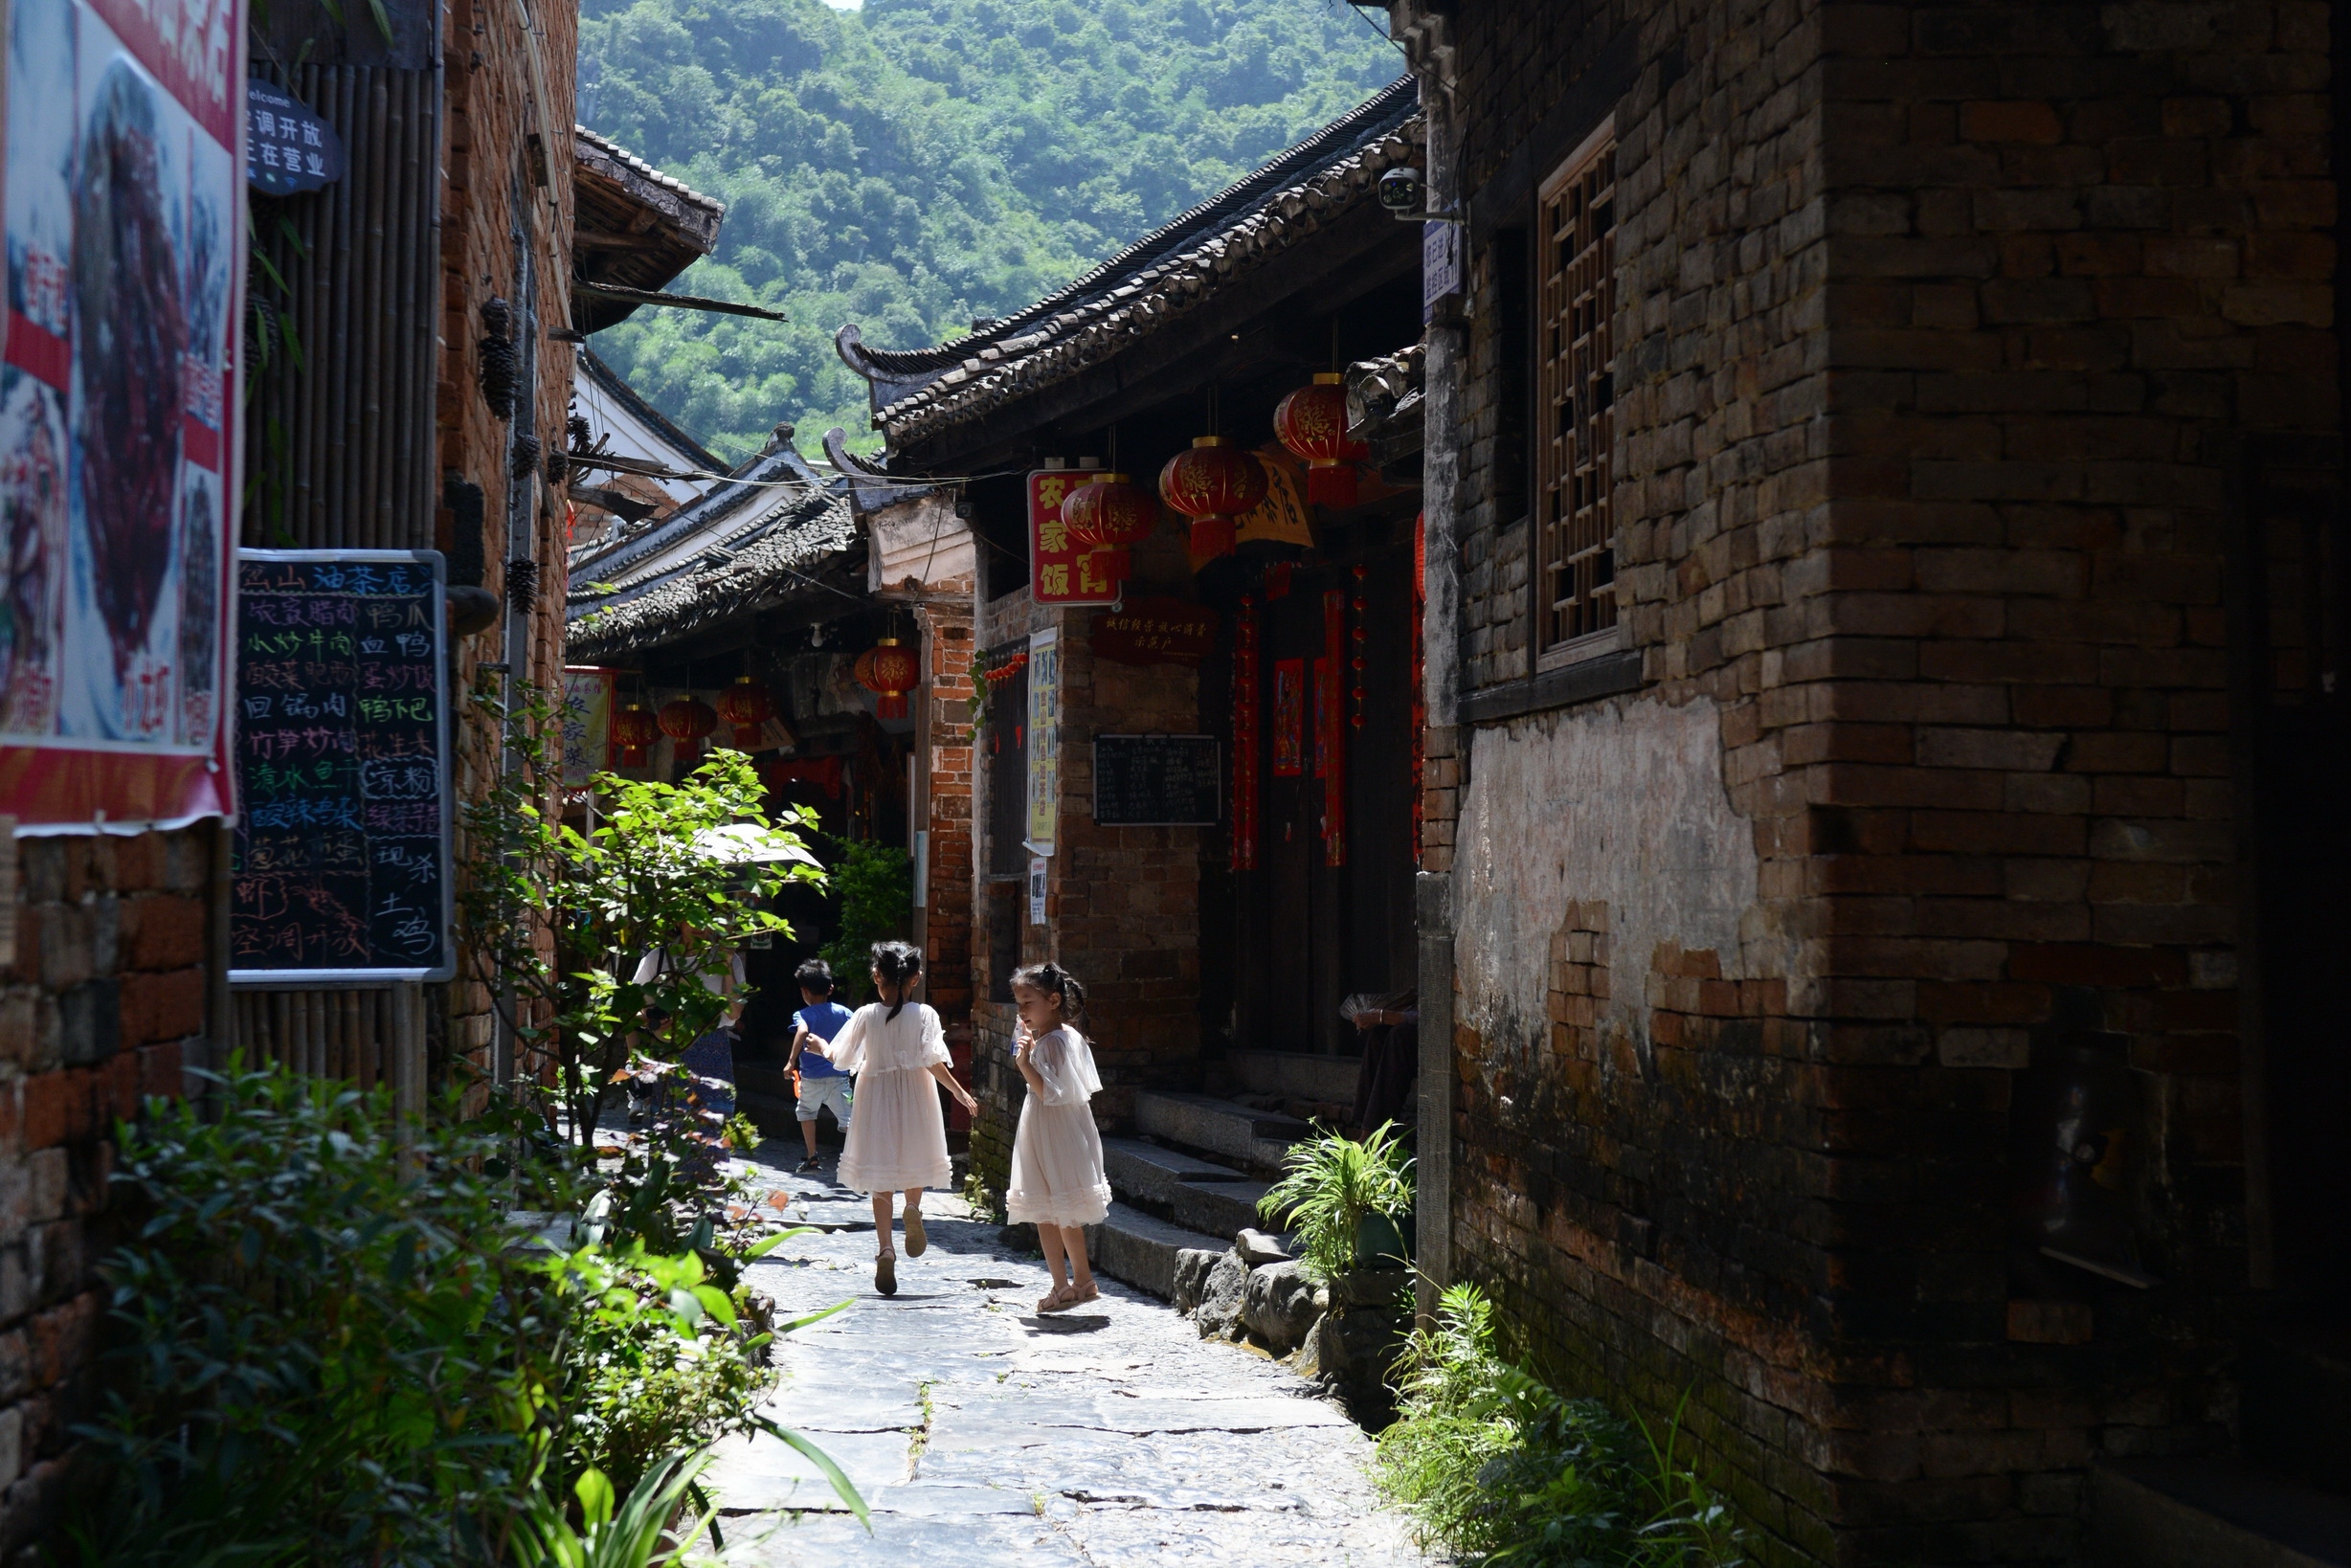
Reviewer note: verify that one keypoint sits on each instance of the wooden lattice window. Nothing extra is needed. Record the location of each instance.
(1574, 408)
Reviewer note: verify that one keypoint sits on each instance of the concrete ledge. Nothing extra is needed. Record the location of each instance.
(1154, 1175)
(1298, 1074)
(1257, 1138)
(1131, 1246)
(2213, 1514)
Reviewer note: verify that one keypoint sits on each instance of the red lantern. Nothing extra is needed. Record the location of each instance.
(686, 719)
(634, 732)
(1313, 423)
(1213, 484)
(890, 671)
(1112, 515)
(748, 708)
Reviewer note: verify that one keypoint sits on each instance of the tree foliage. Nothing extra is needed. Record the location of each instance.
(919, 163)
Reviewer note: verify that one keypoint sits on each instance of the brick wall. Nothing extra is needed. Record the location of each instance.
(1936, 328)
(502, 87)
(1122, 904)
(946, 732)
(105, 999)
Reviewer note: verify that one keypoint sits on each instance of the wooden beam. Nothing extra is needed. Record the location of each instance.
(676, 302)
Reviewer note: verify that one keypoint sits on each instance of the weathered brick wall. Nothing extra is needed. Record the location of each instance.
(502, 87)
(1936, 324)
(946, 723)
(106, 997)
(1122, 904)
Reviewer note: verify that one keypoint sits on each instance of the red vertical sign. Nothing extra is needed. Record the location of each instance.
(1060, 573)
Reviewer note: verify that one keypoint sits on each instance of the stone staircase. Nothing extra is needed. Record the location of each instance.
(1190, 1182)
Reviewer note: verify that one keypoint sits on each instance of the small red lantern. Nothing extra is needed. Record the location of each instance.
(687, 720)
(1213, 484)
(634, 732)
(748, 708)
(890, 671)
(1112, 515)
(1313, 424)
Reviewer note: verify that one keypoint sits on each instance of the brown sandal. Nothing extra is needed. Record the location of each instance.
(917, 1240)
(885, 1274)
(1055, 1300)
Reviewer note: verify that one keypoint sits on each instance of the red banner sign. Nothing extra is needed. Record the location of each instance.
(1060, 572)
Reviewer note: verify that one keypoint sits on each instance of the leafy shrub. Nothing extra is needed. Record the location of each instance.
(875, 885)
(324, 1351)
(1499, 1468)
(1331, 1185)
(334, 1346)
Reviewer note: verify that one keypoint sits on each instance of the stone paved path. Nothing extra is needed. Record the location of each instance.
(981, 1433)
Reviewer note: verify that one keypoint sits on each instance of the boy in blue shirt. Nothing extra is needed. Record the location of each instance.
(821, 1083)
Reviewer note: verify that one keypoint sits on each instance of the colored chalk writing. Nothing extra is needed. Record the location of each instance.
(341, 855)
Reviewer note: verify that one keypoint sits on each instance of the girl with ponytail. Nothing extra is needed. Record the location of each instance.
(1057, 1180)
(897, 1142)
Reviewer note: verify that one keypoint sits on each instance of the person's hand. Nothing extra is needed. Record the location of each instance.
(965, 1095)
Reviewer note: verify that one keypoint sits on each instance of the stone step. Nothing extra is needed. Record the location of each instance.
(1257, 1138)
(1132, 1246)
(1154, 1175)
(2213, 1514)
(1219, 1208)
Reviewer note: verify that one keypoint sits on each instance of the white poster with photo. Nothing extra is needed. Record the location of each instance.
(125, 215)
(1044, 741)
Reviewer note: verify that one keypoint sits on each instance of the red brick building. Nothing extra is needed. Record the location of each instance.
(1883, 523)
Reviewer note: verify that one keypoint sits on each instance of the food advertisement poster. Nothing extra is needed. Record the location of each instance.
(125, 218)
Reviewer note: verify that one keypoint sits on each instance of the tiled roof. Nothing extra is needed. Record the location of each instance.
(916, 393)
(643, 170)
(798, 533)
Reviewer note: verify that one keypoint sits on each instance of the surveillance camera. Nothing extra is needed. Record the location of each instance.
(1401, 192)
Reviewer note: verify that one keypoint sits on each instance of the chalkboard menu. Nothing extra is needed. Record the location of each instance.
(1156, 780)
(342, 857)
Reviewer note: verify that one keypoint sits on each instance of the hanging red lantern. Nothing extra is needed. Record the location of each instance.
(1111, 516)
(634, 732)
(748, 708)
(1213, 484)
(687, 720)
(1312, 423)
(890, 671)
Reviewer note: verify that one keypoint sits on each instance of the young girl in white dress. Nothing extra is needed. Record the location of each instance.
(897, 1141)
(1057, 1178)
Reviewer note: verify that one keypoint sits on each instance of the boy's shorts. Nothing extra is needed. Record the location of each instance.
(816, 1093)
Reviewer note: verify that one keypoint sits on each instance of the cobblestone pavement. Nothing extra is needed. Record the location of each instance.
(982, 1433)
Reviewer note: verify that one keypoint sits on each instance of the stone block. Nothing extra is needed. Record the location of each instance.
(1278, 1305)
(1218, 1312)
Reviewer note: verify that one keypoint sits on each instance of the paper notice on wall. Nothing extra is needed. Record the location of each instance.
(1037, 889)
(1044, 741)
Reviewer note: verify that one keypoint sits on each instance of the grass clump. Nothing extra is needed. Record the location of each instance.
(1335, 1191)
(1499, 1468)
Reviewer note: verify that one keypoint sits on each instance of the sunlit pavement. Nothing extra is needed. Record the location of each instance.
(981, 1433)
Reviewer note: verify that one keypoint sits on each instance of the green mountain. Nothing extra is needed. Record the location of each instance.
(920, 163)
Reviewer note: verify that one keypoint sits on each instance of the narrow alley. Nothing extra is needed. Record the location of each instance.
(981, 1433)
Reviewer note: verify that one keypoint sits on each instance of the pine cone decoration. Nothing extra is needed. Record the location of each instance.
(558, 468)
(501, 366)
(522, 584)
(523, 460)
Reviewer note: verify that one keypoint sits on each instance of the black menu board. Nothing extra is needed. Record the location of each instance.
(341, 859)
(1156, 780)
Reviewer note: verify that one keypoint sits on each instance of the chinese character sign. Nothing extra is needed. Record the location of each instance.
(587, 722)
(1044, 741)
(288, 150)
(1060, 572)
(124, 218)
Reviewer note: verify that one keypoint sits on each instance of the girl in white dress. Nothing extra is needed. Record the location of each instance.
(897, 1142)
(1057, 1178)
